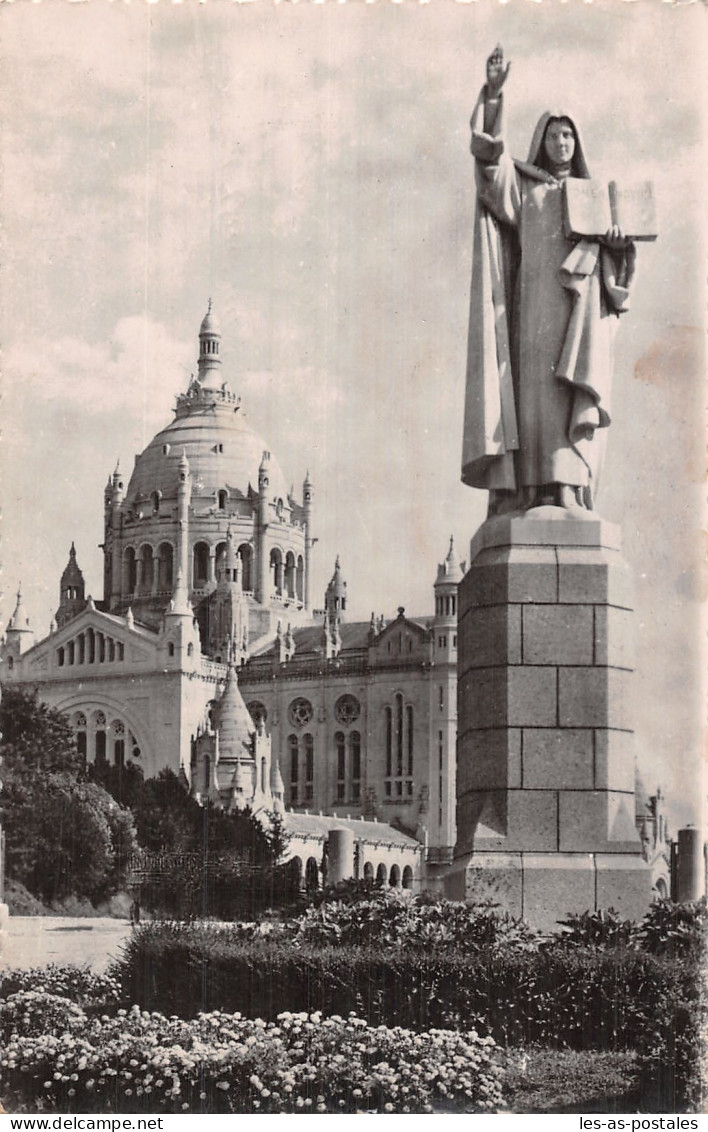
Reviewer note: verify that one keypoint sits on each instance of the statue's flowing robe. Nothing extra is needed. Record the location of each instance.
(542, 322)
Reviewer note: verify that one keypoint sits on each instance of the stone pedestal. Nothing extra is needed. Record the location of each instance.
(545, 761)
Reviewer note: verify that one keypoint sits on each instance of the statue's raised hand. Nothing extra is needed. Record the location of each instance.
(496, 71)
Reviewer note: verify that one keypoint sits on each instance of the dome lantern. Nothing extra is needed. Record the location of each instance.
(209, 345)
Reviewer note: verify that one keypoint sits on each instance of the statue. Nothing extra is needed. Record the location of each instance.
(543, 314)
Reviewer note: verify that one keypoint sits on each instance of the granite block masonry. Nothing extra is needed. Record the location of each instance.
(545, 776)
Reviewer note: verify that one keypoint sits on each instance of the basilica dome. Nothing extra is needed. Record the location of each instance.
(222, 450)
(224, 453)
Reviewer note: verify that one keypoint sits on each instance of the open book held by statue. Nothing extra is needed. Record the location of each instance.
(543, 314)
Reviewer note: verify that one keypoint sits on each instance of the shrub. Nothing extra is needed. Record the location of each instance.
(31, 1013)
(389, 919)
(225, 1063)
(92, 991)
(601, 929)
(675, 929)
(578, 997)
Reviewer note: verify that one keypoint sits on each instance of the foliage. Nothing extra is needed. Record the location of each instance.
(136, 1061)
(202, 861)
(92, 990)
(673, 1041)
(64, 836)
(601, 929)
(386, 918)
(34, 738)
(578, 998)
(675, 929)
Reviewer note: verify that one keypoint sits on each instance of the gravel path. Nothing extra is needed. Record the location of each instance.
(35, 941)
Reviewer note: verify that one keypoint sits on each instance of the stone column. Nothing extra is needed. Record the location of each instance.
(545, 763)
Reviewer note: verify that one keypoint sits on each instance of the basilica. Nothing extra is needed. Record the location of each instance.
(207, 655)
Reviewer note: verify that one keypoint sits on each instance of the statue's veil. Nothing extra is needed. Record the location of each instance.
(536, 155)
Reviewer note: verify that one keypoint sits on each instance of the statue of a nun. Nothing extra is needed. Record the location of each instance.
(543, 314)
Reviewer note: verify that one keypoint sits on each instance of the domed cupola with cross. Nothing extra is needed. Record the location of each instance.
(232, 487)
(449, 576)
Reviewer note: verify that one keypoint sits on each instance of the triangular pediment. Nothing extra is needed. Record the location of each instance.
(401, 639)
(106, 623)
(92, 641)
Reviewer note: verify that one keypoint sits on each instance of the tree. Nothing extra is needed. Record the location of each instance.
(34, 737)
(64, 836)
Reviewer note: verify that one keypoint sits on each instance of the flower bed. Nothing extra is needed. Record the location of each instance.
(137, 1061)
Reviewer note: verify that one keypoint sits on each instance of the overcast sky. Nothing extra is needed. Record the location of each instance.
(308, 166)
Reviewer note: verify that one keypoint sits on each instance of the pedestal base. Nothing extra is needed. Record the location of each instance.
(545, 762)
(544, 888)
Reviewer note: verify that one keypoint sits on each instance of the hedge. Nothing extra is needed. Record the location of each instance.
(580, 998)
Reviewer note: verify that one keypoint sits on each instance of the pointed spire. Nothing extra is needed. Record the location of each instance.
(232, 720)
(451, 569)
(19, 619)
(336, 594)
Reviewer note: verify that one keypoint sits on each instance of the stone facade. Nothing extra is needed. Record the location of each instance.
(207, 560)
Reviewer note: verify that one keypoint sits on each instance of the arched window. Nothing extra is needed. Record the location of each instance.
(155, 497)
(300, 578)
(79, 723)
(394, 877)
(207, 775)
(368, 871)
(409, 737)
(355, 765)
(91, 646)
(408, 877)
(130, 571)
(60, 657)
(399, 724)
(276, 568)
(312, 875)
(71, 651)
(81, 640)
(147, 569)
(246, 552)
(399, 734)
(165, 566)
(294, 768)
(100, 737)
(200, 565)
(171, 648)
(220, 559)
(341, 766)
(309, 745)
(118, 742)
(289, 580)
(381, 874)
(222, 497)
(263, 775)
(257, 711)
